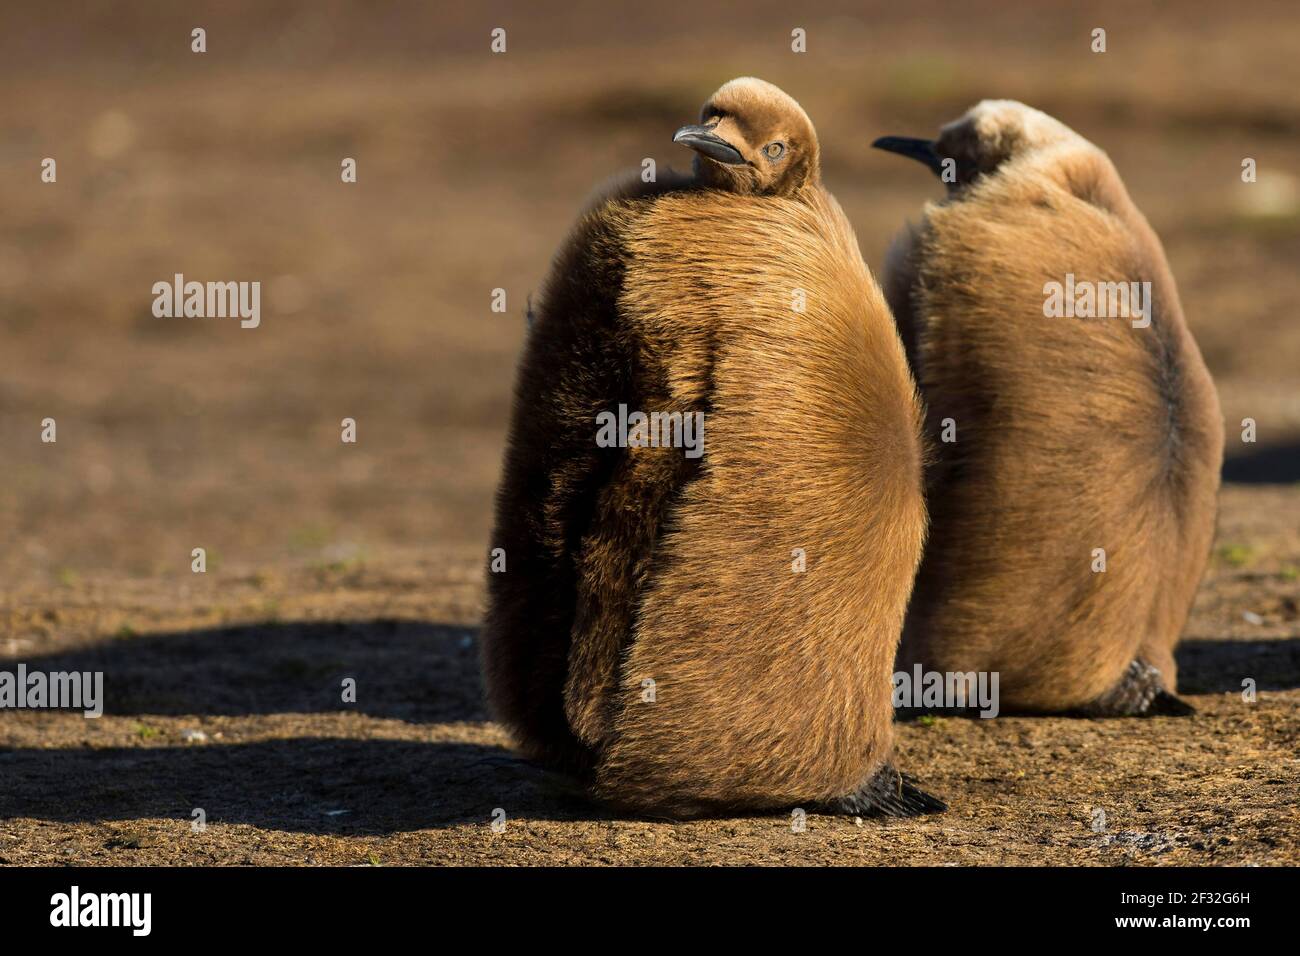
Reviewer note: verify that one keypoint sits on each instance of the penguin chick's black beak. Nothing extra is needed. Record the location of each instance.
(704, 141)
(921, 150)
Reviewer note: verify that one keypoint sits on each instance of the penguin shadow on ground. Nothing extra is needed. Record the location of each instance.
(410, 671)
(1264, 465)
(1211, 666)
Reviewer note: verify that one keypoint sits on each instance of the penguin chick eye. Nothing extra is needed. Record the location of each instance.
(774, 151)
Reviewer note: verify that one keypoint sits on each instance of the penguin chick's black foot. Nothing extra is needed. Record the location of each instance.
(888, 794)
(1139, 693)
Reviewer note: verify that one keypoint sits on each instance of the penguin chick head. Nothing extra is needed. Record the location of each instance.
(990, 134)
(753, 138)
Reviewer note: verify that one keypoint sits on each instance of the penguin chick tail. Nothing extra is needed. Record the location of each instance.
(1139, 693)
(1166, 704)
(888, 794)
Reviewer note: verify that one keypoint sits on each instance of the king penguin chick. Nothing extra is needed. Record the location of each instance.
(693, 634)
(1073, 493)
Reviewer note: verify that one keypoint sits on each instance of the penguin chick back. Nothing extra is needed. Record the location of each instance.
(578, 360)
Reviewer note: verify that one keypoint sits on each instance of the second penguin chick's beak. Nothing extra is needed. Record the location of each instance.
(922, 150)
(707, 143)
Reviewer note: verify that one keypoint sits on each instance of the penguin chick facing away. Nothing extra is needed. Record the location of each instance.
(693, 633)
(1072, 516)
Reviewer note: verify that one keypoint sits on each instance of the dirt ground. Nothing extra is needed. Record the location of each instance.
(329, 561)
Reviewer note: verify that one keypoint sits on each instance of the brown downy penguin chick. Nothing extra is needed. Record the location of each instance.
(1081, 443)
(652, 633)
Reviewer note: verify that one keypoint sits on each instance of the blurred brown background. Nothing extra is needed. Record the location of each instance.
(225, 165)
(180, 433)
